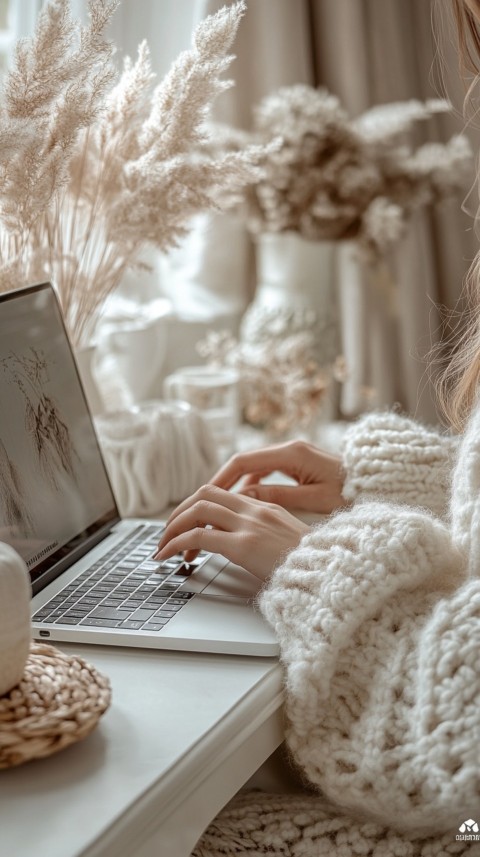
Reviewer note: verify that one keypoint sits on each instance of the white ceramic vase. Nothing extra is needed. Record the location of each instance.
(15, 627)
(85, 359)
(295, 293)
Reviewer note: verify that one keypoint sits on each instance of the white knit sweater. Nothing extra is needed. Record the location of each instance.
(378, 616)
(398, 459)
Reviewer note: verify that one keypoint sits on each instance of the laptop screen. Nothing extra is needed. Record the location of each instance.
(54, 490)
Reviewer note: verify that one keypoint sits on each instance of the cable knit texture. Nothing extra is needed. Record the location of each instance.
(383, 673)
(378, 616)
(388, 455)
(282, 825)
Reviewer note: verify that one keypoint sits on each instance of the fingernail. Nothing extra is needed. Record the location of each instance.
(251, 492)
(158, 555)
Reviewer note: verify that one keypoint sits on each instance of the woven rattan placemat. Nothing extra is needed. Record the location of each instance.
(58, 702)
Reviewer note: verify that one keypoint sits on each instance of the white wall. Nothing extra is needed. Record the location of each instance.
(165, 24)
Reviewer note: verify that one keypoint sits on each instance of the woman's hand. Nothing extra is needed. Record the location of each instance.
(318, 474)
(248, 532)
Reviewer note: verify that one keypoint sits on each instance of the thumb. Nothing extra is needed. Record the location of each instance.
(304, 497)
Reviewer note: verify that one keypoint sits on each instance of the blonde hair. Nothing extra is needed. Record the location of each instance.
(468, 35)
(459, 383)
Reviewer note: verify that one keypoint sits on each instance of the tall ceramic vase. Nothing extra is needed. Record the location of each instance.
(295, 293)
(85, 359)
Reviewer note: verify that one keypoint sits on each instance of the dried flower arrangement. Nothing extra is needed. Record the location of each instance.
(329, 177)
(96, 165)
(282, 387)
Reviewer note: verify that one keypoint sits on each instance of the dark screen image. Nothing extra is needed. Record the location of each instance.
(53, 484)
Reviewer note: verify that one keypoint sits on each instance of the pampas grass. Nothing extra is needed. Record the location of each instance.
(96, 165)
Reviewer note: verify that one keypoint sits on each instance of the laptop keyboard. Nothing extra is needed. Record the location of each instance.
(125, 588)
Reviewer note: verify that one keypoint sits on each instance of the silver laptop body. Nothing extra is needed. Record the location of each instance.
(92, 574)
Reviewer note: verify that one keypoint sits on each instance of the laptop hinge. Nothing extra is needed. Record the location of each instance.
(72, 557)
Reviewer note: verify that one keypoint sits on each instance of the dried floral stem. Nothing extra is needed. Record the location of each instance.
(99, 172)
(282, 387)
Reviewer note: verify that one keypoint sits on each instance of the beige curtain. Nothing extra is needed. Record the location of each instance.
(366, 52)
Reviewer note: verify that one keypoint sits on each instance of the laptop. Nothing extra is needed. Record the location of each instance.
(92, 573)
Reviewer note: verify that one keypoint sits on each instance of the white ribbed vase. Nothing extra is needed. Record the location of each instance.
(295, 293)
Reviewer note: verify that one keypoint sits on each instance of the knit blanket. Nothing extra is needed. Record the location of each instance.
(256, 824)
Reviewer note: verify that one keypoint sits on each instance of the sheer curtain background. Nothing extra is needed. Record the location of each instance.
(366, 52)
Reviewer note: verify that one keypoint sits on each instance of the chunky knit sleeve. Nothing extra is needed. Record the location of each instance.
(393, 457)
(379, 631)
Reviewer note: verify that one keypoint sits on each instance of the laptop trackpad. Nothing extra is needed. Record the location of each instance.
(233, 581)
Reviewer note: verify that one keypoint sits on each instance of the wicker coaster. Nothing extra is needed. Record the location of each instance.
(58, 702)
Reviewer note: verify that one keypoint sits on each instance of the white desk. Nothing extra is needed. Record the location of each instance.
(183, 734)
